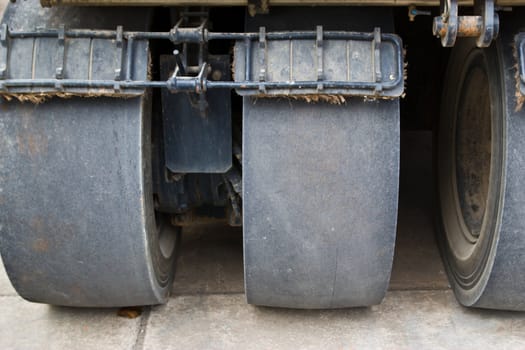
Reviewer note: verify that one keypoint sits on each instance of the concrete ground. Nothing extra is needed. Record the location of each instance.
(208, 309)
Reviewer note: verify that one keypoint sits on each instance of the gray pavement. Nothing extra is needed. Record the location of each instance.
(429, 319)
(405, 320)
(6, 290)
(208, 309)
(25, 325)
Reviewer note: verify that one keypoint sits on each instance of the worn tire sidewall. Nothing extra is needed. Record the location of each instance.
(482, 258)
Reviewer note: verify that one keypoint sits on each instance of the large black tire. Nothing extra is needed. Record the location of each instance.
(77, 220)
(78, 225)
(320, 185)
(480, 166)
(320, 202)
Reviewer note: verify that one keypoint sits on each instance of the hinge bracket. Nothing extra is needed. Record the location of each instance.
(483, 25)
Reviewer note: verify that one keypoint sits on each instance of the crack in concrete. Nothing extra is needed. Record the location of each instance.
(141, 335)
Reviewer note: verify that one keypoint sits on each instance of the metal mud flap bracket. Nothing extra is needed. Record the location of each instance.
(327, 63)
(111, 63)
(71, 62)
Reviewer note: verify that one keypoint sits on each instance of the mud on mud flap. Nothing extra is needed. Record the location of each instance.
(519, 42)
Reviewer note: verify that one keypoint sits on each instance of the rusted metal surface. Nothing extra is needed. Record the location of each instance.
(484, 24)
(468, 26)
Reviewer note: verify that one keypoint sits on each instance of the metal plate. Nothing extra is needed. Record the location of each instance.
(197, 142)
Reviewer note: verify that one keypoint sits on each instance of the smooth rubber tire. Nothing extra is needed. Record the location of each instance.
(320, 185)
(320, 198)
(481, 142)
(77, 220)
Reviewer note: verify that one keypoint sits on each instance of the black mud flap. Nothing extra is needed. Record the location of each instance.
(197, 128)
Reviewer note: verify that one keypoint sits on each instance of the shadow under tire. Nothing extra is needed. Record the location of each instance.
(479, 171)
